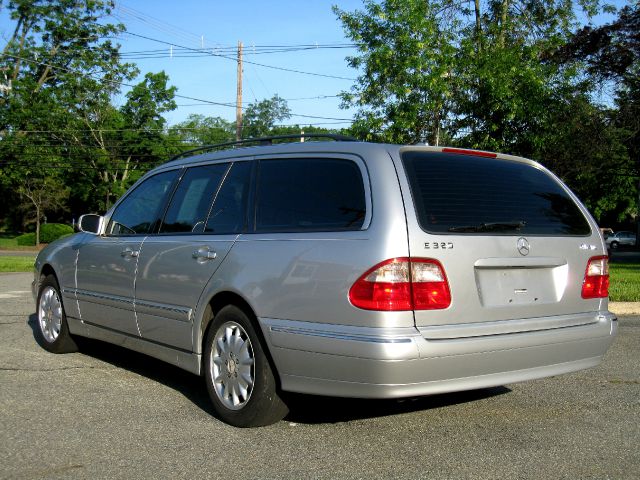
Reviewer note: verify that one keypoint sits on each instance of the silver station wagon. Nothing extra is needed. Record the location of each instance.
(337, 268)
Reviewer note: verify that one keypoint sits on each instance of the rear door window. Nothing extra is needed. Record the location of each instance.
(462, 194)
(310, 194)
(229, 212)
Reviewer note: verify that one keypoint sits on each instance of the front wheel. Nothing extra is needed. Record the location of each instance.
(239, 377)
(52, 331)
(614, 245)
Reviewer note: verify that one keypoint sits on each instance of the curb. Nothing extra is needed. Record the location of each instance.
(625, 308)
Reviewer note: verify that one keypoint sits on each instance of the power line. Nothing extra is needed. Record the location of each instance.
(166, 129)
(119, 83)
(155, 23)
(203, 52)
(179, 32)
(317, 97)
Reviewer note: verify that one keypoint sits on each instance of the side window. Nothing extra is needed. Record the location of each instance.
(140, 211)
(229, 211)
(191, 201)
(314, 194)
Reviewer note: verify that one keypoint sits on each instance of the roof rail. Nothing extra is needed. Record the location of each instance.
(263, 141)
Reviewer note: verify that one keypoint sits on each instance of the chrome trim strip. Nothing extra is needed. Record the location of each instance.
(503, 327)
(339, 336)
(102, 296)
(183, 314)
(528, 262)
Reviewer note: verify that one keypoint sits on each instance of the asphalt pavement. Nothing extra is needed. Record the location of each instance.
(109, 413)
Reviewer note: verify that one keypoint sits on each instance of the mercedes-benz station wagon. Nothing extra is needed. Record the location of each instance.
(336, 268)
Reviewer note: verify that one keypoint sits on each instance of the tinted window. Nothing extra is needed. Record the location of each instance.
(229, 212)
(466, 194)
(140, 211)
(310, 194)
(190, 204)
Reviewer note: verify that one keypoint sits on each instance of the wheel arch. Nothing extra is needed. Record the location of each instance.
(217, 303)
(47, 269)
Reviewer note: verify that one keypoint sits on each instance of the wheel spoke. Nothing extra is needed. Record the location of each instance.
(243, 391)
(221, 345)
(235, 340)
(218, 361)
(234, 396)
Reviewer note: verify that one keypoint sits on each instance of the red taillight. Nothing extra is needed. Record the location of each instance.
(596, 278)
(466, 151)
(402, 284)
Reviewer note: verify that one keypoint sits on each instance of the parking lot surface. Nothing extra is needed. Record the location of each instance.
(105, 412)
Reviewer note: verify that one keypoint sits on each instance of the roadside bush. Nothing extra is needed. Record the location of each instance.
(53, 231)
(48, 233)
(26, 240)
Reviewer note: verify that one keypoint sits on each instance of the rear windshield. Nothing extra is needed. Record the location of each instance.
(461, 194)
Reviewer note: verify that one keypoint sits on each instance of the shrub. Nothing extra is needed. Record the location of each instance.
(53, 231)
(26, 240)
(48, 233)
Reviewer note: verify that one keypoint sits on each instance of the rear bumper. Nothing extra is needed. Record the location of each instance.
(400, 362)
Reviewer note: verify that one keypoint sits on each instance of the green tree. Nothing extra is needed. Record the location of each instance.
(41, 195)
(611, 55)
(58, 118)
(406, 54)
(63, 70)
(465, 72)
(260, 118)
(198, 130)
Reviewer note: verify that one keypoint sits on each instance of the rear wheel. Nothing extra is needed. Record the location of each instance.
(52, 331)
(239, 377)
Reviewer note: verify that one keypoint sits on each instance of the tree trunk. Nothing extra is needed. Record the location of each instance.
(504, 9)
(478, 26)
(37, 225)
(638, 218)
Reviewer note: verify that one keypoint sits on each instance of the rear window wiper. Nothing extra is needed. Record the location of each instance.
(490, 227)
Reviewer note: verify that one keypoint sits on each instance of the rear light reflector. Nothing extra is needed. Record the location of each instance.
(402, 284)
(596, 278)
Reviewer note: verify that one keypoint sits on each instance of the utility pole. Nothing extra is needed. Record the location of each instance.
(239, 95)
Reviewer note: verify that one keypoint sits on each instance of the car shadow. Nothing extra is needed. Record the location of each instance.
(303, 409)
(313, 409)
(189, 385)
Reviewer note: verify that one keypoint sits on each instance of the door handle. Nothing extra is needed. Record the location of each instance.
(204, 254)
(128, 252)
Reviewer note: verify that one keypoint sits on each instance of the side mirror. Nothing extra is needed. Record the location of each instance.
(91, 223)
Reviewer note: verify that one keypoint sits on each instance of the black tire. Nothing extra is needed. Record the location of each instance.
(614, 245)
(52, 330)
(234, 353)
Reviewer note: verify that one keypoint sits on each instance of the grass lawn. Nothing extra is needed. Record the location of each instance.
(624, 281)
(9, 242)
(16, 264)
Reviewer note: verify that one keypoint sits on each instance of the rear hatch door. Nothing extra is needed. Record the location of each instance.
(513, 240)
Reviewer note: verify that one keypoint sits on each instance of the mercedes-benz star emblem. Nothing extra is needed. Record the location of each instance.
(523, 246)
